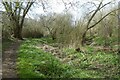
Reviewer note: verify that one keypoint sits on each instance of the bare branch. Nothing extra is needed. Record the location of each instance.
(94, 14)
(102, 18)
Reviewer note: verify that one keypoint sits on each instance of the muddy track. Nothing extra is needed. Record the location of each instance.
(9, 60)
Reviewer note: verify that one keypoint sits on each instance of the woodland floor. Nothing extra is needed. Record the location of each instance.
(42, 58)
(9, 59)
(0, 69)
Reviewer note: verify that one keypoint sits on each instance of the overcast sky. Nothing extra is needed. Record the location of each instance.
(57, 6)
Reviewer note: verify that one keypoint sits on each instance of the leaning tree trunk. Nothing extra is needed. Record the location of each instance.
(83, 38)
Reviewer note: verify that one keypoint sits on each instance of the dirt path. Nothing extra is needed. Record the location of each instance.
(0, 68)
(9, 60)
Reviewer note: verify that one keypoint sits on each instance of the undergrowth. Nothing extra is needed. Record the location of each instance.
(35, 63)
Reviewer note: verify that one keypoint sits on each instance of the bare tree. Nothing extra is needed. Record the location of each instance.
(16, 12)
(88, 27)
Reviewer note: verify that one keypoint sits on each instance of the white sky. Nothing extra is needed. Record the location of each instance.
(58, 7)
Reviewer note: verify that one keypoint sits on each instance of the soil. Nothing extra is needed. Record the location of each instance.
(9, 58)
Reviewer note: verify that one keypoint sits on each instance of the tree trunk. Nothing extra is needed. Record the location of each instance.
(83, 38)
(18, 32)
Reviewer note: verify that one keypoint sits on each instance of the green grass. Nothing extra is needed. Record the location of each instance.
(35, 63)
(95, 64)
